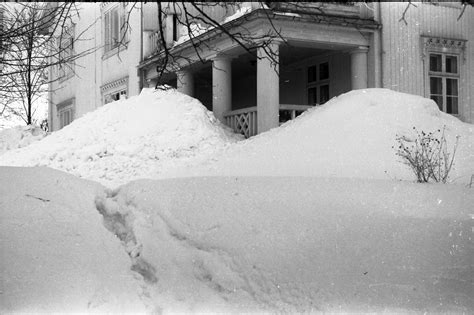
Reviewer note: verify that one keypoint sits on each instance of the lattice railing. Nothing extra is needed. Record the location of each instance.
(289, 111)
(243, 121)
(154, 38)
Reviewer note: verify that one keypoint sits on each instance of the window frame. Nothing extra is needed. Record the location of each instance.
(108, 31)
(318, 83)
(119, 86)
(445, 76)
(66, 70)
(109, 97)
(444, 47)
(66, 107)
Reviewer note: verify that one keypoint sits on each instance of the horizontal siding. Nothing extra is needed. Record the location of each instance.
(402, 54)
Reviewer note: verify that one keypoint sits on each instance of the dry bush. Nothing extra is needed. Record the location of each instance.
(427, 155)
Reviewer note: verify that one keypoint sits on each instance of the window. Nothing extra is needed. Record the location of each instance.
(115, 90)
(175, 27)
(442, 61)
(65, 112)
(66, 52)
(115, 27)
(444, 77)
(115, 96)
(318, 84)
(171, 28)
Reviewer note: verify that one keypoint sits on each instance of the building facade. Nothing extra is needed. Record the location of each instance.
(302, 54)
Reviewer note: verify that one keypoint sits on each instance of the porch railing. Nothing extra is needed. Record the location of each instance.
(151, 43)
(154, 38)
(244, 120)
(290, 111)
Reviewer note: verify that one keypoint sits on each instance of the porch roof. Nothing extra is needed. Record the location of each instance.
(362, 25)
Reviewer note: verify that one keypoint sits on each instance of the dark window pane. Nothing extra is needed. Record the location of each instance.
(323, 94)
(439, 100)
(312, 96)
(452, 105)
(312, 74)
(324, 71)
(451, 64)
(436, 85)
(284, 116)
(175, 27)
(435, 62)
(452, 87)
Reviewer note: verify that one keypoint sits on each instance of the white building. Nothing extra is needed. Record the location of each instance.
(324, 50)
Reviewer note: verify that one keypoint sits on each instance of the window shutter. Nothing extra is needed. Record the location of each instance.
(107, 30)
(115, 27)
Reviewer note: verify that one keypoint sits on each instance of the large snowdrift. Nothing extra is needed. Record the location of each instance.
(294, 244)
(350, 136)
(165, 134)
(130, 139)
(19, 137)
(56, 255)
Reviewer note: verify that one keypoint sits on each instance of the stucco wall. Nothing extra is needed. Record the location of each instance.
(402, 52)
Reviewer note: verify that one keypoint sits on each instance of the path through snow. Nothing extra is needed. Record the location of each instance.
(237, 244)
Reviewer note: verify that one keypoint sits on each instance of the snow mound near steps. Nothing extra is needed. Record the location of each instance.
(130, 139)
(56, 255)
(352, 135)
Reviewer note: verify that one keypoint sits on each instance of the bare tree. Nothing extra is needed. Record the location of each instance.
(35, 37)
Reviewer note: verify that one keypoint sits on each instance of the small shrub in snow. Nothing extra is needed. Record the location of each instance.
(44, 125)
(427, 155)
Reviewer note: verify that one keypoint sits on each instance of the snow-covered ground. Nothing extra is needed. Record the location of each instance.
(234, 244)
(19, 137)
(56, 255)
(318, 215)
(293, 244)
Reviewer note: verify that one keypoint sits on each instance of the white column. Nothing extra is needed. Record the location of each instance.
(169, 29)
(359, 68)
(268, 87)
(221, 86)
(185, 82)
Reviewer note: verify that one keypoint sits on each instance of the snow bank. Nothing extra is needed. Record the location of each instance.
(294, 244)
(166, 134)
(19, 137)
(56, 255)
(350, 136)
(129, 139)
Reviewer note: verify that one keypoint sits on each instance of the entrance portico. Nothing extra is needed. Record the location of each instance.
(253, 92)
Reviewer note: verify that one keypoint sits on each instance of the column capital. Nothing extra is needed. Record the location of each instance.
(273, 41)
(183, 71)
(217, 57)
(359, 50)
